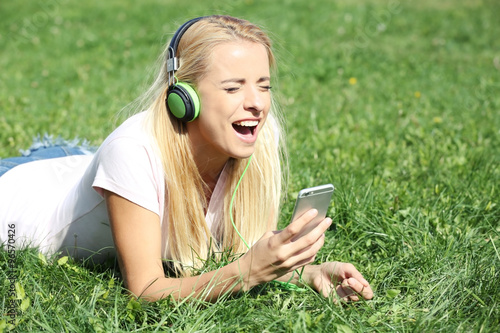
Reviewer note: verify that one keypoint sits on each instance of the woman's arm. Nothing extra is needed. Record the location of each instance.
(137, 238)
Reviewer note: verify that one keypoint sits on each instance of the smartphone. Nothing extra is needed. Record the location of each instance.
(317, 197)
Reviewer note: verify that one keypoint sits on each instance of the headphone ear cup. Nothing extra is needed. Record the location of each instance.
(183, 102)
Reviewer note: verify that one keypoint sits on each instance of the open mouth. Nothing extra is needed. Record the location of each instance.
(246, 128)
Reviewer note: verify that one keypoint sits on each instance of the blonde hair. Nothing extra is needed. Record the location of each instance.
(188, 241)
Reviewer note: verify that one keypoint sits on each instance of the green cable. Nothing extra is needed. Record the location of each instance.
(286, 285)
(232, 200)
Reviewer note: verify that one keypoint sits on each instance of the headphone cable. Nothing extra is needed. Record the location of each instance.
(285, 285)
(232, 200)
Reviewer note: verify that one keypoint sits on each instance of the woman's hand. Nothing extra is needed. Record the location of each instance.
(344, 278)
(280, 252)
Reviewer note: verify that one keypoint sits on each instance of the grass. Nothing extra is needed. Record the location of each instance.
(396, 103)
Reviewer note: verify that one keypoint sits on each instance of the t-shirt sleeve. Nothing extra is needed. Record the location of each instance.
(128, 168)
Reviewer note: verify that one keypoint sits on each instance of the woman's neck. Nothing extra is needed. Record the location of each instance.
(210, 173)
(208, 160)
(209, 167)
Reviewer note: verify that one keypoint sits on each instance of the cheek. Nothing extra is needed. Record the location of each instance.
(212, 103)
(221, 107)
(211, 123)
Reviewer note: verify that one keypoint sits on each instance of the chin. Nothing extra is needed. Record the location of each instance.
(242, 154)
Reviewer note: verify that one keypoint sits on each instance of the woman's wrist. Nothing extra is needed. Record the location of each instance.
(300, 277)
(308, 275)
(242, 269)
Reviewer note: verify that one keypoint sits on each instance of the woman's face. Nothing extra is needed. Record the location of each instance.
(235, 101)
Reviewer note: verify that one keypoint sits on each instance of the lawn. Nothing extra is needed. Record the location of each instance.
(396, 103)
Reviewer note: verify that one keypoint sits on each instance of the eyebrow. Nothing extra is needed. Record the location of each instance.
(238, 80)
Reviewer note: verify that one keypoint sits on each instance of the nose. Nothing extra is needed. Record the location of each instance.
(255, 100)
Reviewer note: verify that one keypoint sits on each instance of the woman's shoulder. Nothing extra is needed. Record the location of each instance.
(128, 164)
(133, 129)
(129, 144)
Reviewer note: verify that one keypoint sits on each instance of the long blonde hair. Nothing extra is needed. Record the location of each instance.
(187, 240)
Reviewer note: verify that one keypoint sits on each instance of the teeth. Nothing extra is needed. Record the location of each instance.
(248, 123)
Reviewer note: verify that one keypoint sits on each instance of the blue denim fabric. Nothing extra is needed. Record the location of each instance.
(45, 148)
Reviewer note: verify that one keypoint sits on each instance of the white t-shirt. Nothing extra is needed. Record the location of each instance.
(58, 205)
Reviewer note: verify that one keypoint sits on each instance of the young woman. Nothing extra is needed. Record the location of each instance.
(167, 186)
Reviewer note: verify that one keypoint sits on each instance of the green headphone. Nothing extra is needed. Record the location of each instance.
(182, 100)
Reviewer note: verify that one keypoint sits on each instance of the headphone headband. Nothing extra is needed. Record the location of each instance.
(172, 63)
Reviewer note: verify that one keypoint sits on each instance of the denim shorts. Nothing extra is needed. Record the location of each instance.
(45, 148)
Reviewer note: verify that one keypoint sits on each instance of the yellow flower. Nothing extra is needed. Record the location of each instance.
(352, 81)
(418, 94)
(437, 120)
